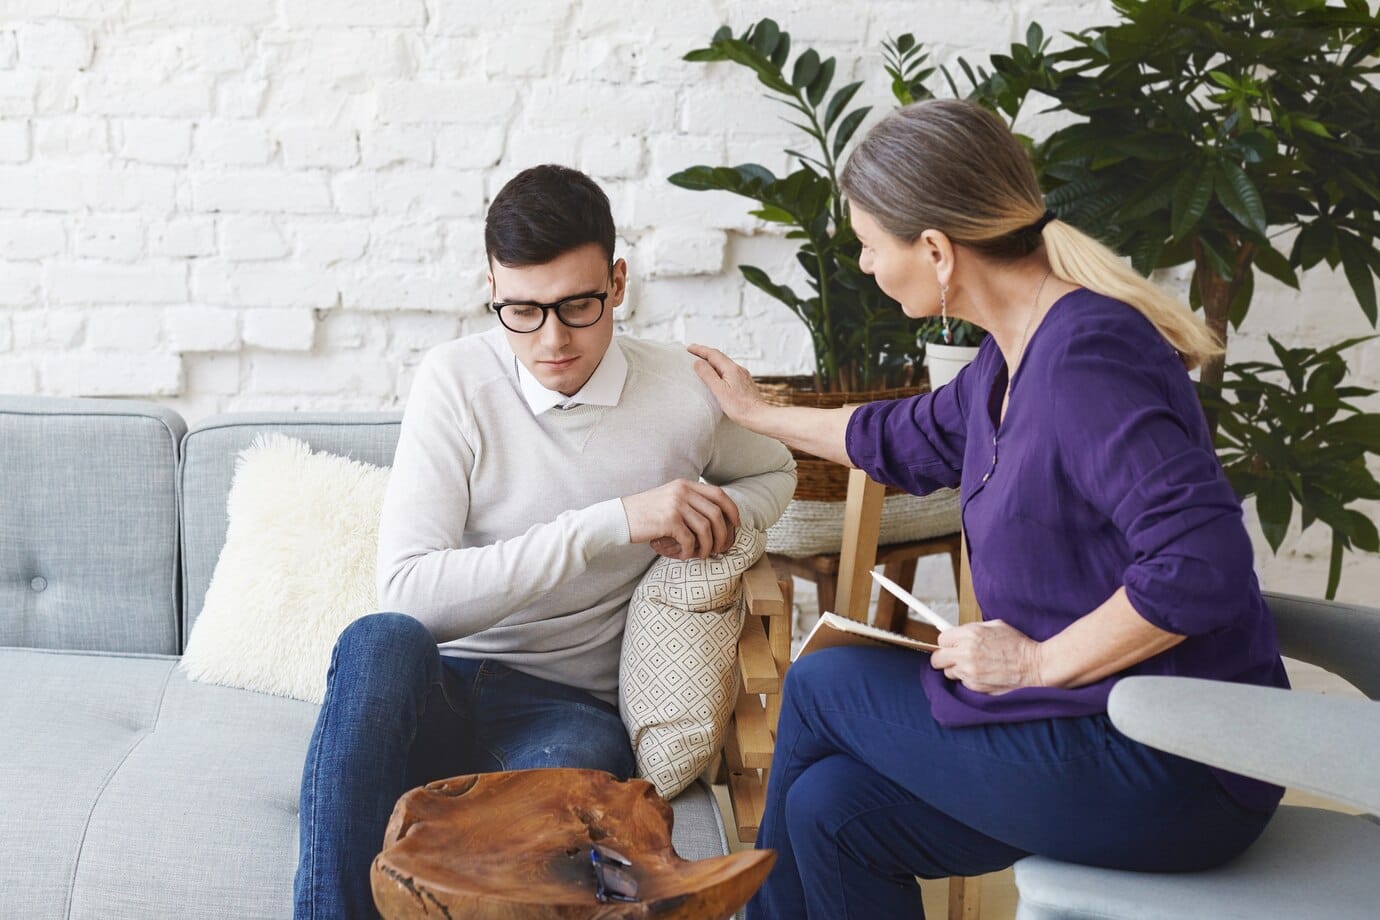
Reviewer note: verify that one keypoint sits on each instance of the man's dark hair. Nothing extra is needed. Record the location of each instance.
(543, 212)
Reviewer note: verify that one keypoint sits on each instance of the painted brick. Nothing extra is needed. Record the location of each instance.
(634, 109)
(326, 242)
(119, 238)
(306, 146)
(102, 283)
(185, 237)
(398, 144)
(32, 237)
(330, 375)
(18, 375)
(18, 93)
(410, 290)
(469, 102)
(21, 284)
(124, 329)
(342, 58)
(213, 375)
(47, 329)
(436, 193)
(251, 237)
(233, 143)
(15, 146)
(253, 284)
(280, 330)
(261, 190)
(71, 137)
(193, 328)
(606, 157)
(178, 97)
(672, 253)
(9, 50)
(469, 147)
(306, 14)
(420, 332)
(70, 188)
(54, 45)
(240, 97)
(406, 241)
(156, 140)
(166, 13)
(112, 374)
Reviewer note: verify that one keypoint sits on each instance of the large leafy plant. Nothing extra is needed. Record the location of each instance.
(1290, 432)
(1209, 132)
(860, 337)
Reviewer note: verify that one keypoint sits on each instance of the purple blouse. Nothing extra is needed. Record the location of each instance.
(1101, 475)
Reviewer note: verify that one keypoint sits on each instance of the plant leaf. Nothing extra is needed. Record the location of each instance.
(847, 127)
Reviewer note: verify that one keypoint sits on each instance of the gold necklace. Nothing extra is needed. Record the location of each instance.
(1034, 308)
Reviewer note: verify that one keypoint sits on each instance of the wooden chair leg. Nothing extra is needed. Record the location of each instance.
(827, 587)
(965, 898)
(891, 613)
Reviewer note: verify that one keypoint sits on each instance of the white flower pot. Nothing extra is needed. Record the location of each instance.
(945, 361)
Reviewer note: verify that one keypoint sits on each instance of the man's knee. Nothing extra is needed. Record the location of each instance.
(389, 643)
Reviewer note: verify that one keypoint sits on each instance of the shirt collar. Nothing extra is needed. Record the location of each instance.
(603, 388)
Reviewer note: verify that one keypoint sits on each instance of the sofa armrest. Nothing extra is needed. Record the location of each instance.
(1325, 745)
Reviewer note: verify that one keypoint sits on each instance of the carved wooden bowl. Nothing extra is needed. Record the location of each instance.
(500, 846)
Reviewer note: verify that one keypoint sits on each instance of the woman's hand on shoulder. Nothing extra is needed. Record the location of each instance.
(730, 383)
(988, 657)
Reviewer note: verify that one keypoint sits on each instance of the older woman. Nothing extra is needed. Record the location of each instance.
(1104, 541)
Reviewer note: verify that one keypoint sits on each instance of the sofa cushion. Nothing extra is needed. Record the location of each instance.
(127, 791)
(208, 468)
(88, 523)
(296, 569)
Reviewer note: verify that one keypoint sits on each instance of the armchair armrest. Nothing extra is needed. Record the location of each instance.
(1325, 745)
(1342, 638)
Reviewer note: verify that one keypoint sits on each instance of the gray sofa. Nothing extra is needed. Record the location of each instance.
(126, 790)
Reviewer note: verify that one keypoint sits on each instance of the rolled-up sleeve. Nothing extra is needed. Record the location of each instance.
(1132, 442)
(915, 443)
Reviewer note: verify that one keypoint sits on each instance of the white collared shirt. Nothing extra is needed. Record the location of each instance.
(603, 388)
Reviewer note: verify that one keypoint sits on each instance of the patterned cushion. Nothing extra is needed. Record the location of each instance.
(678, 678)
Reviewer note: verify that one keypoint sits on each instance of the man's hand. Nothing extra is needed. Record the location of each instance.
(683, 519)
(988, 657)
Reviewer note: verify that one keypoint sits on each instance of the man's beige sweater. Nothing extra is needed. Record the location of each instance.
(504, 532)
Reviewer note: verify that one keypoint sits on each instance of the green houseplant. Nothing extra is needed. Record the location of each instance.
(1207, 130)
(861, 339)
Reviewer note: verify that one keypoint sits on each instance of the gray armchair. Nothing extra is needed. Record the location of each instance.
(1310, 862)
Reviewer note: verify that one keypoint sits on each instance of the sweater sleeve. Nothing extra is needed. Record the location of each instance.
(1132, 441)
(915, 443)
(425, 570)
(757, 472)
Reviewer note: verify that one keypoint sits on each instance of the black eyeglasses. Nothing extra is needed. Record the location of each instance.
(611, 883)
(576, 311)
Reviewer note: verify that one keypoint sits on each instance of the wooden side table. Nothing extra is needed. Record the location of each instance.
(898, 559)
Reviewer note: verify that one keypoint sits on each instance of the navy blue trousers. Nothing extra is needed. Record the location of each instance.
(867, 792)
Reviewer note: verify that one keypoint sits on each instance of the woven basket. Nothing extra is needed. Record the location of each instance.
(816, 479)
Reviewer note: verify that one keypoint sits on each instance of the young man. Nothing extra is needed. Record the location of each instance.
(540, 468)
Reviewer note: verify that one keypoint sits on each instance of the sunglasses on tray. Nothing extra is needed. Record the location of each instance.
(611, 881)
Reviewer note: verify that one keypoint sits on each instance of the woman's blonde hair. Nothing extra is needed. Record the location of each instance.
(953, 166)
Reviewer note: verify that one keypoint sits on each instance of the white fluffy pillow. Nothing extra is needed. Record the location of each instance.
(678, 676)
(296, 569)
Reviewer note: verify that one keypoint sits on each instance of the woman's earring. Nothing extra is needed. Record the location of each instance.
(944, 314)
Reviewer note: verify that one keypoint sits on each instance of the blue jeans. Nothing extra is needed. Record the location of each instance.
(867, 791)
(398, 714)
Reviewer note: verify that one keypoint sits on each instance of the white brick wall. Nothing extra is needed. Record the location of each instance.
(279, 203)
